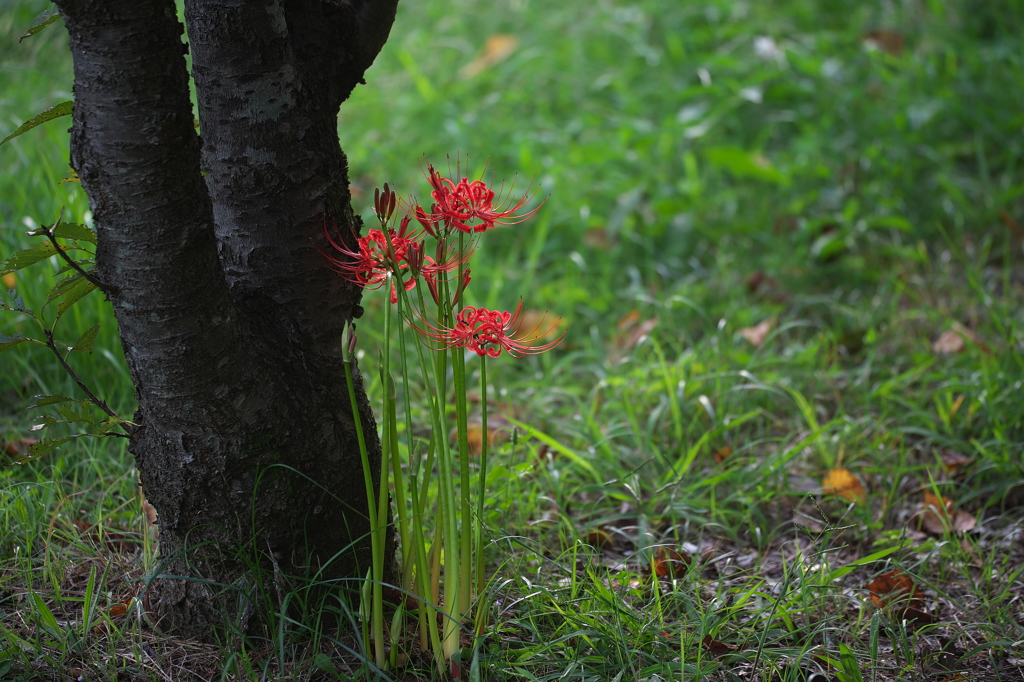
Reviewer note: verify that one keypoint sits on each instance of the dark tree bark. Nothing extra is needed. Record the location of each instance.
(207, 247)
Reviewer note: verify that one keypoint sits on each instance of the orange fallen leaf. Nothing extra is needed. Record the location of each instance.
(497, 429)
(670, 562)
(757, 334)
(722, 454)
(940, 515)
(18, 446)
(895, 587)
(884, 40)
(841, 482)
(497, 49)
(631, 331)
(953, 461)
(598, 538)
(716, 648)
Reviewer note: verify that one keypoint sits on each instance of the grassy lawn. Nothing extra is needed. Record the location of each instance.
(783, 437)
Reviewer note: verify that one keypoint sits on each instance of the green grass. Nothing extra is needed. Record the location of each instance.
(863, 202)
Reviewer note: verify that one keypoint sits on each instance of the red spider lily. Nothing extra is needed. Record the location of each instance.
(469, 206)
(488, 332)
(447, 259)
(375, 260)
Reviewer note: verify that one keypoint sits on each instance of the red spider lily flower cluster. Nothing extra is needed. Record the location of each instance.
(460, 206)
(488, 332)
(377, 257)
(468, 206)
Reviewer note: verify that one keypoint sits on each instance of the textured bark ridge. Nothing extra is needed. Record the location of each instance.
(208, 248)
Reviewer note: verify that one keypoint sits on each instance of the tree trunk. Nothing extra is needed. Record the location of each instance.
(231, 325)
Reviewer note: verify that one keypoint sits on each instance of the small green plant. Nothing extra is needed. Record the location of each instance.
(395, 259)
(75, 280)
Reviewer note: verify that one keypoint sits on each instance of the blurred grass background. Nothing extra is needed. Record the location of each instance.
(850, 177)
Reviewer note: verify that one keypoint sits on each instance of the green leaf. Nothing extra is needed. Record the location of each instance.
(41, 448)
(40, 22)
(72, 415)
(11, 341)
(62, 287)
(56, 111)
(86, 340)
(28, 257)
(843, 570)
(77, 231)
(829, 245)
(73, 295)
(324, 663)
(46, 618)
(849, 664)
(54, 399)
(744, 164)
(17, 304)
(45, 422)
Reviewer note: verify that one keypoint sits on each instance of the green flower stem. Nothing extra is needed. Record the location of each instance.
(465, 559)
(384, 487)
(414, 547)
(447, 507)
(377, 547)
(482, 488)
(462, 422)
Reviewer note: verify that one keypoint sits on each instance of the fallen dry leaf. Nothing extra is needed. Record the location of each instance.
(117, 541)
(955, 340)
(598, 238)
(631, 331)
(948, 343)
(116, 611)
(716, 648)
(722, 454)
(756, 334)
(766, 288)
(953, 461)
(940, 515)
(18, 446)
(598, 538)
(841, 482)
(884, 40)
(895, 587)
(497, 49)
(498, 429)
(670, 562)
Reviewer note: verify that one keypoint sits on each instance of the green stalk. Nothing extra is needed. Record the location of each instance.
(466, 496)
(482, 488)
(446, 501)
(466, 507)
(377, 548)
(383, 494)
